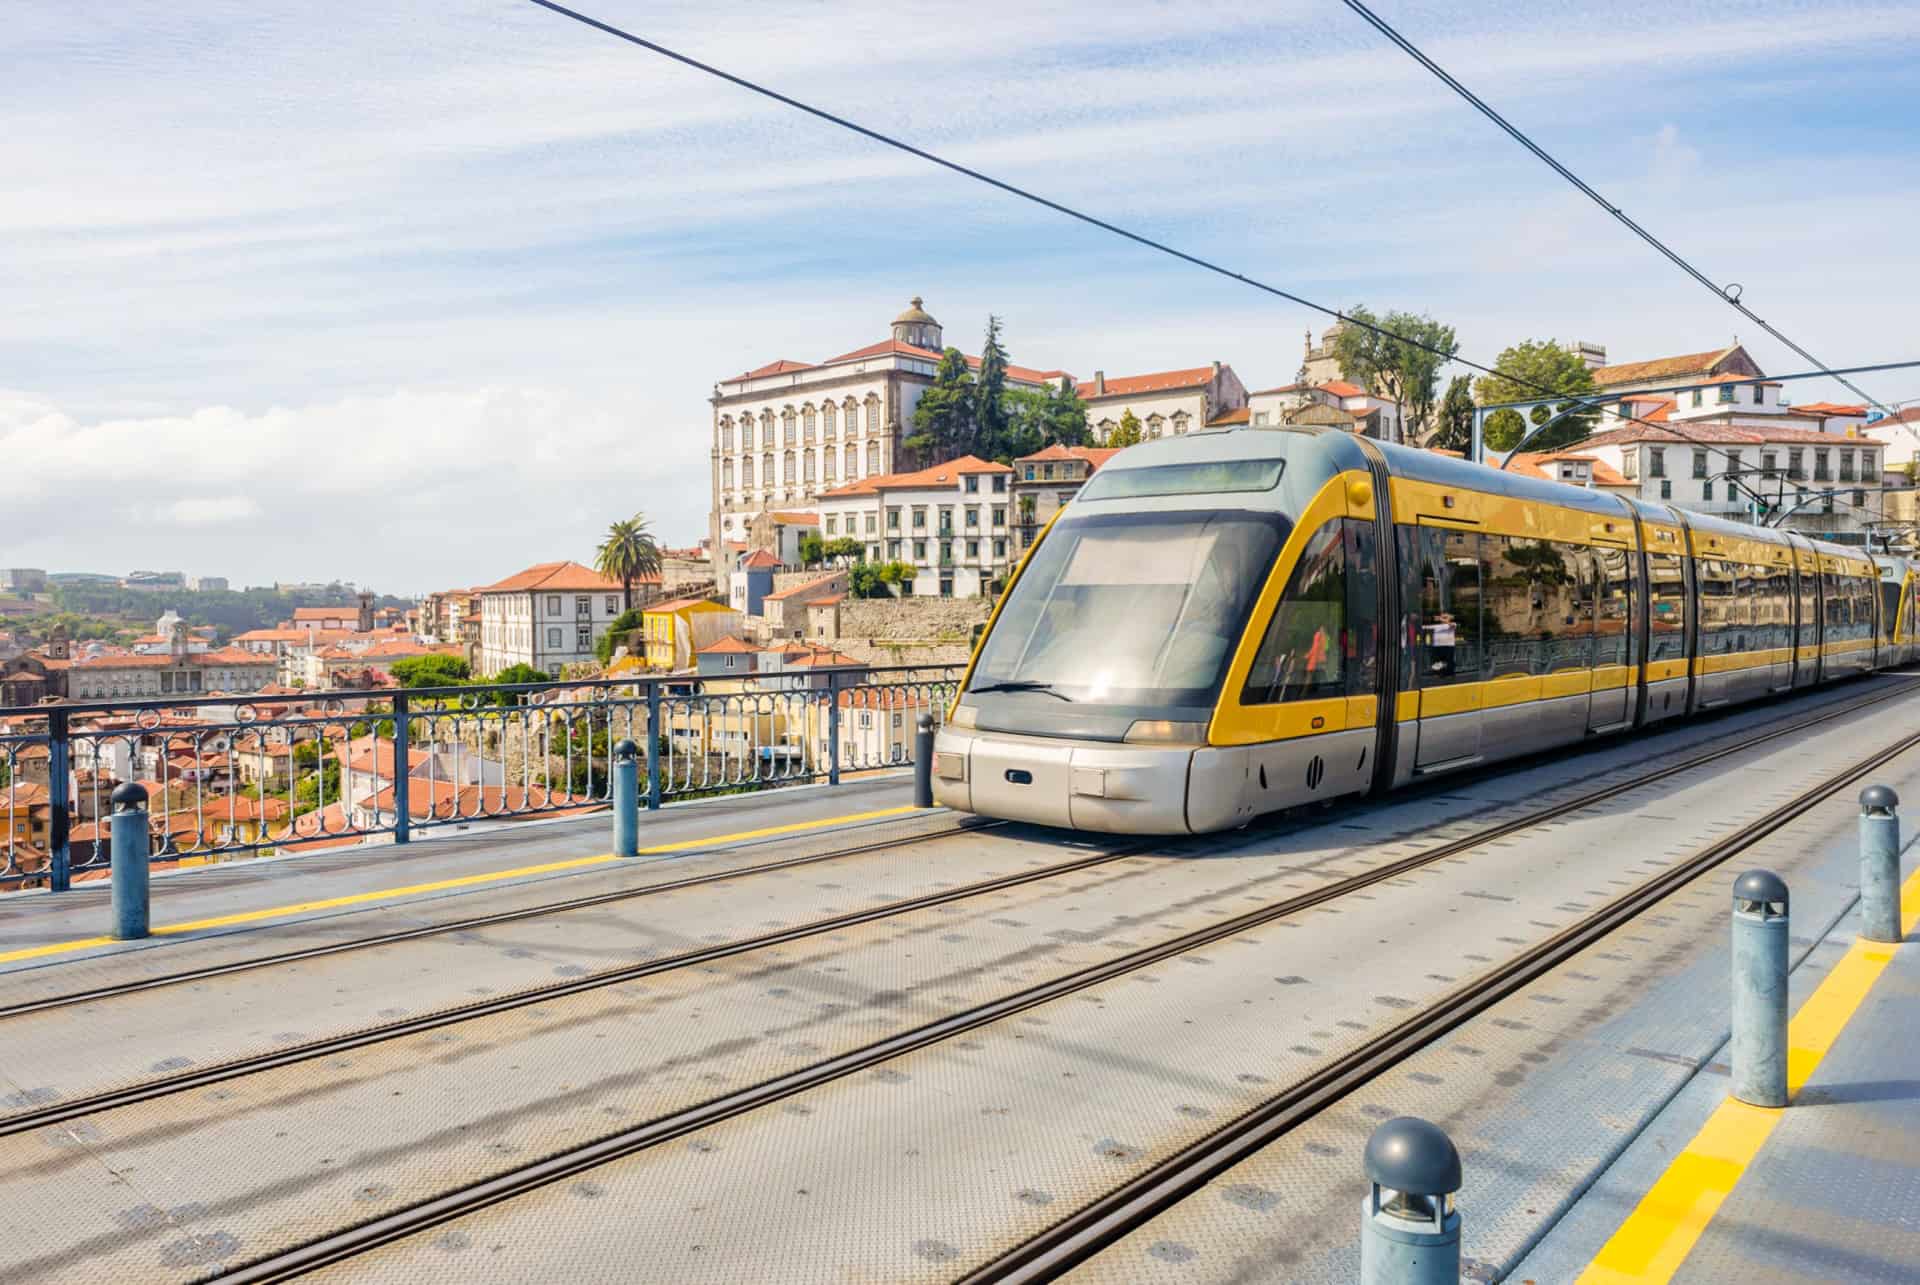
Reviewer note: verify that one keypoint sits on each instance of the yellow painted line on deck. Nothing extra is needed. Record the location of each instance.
(1670, 1219)
(441, 885)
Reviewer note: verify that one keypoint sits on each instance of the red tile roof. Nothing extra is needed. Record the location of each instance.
(1239, 415)
(758, 559)
(1715, 434)
(730, 645)
(893, 347)
(1533, 464)
(1633, 372)
(939, 475)
(561, 577)
(797, 519)
(346, 612)
(1834, 409)
(784, 366)
(791, 590)
(1160, 382)
(1094, 455)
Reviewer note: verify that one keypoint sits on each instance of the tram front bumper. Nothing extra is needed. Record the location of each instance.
(1088, 785)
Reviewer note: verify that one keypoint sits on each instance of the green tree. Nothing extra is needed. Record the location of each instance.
(1453, 427)
(628, 554)
(432, 671)
(623, 624)
(845, 549)
(1036, 420)
(1128, 431)
(990, 417)
(519, 672)
(943, 418)
(1535, 368)
(812, 549)
(1398, 366)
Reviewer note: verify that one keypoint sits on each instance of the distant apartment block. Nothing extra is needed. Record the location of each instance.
(23, 579)
(951, 522)
(547, 616)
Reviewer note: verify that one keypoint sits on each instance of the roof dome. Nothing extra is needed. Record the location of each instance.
(914, 313)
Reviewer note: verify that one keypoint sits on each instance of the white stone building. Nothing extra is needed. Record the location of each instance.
(1167, 403)
(1371, 416)
(952, 522)
(786, 431)
(547, 616)
(175, 672)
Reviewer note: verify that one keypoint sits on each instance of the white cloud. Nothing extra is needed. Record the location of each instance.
(210, 510)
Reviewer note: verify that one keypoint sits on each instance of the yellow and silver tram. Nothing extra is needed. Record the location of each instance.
(1230, 623)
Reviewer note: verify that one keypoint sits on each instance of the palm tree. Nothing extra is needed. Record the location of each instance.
(629, 554)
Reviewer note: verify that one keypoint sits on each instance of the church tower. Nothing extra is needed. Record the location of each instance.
(915, 326)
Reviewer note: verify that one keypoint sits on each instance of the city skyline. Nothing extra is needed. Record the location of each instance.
(451, 289)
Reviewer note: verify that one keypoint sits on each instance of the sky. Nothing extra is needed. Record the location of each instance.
(417, 294)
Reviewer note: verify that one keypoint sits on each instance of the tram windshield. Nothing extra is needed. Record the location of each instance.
(1139, 610)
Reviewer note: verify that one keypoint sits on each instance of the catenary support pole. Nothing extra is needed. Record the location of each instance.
(626, 799)
(923, 762)
(1409, 1229)
(1760, 989)
(1879, 864)
(129, 862)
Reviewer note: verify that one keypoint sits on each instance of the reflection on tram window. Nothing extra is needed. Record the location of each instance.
(1446, 635)
(1324, 637)
(1134, 609)
(1666, 607)
(1613, 593)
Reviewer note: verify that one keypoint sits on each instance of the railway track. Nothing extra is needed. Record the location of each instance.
(1085, 1231)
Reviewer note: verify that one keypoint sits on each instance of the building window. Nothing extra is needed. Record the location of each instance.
(583, 606)
(766, 428)
(1769, 463)
(806, 458)
(1696, 396)
(1699, 463)
(826, 465)
(1859, 499)
(1820, 473)
(1656, 462)
(832, 524)
(613, 605)
(873, 448)
(553, 639)
(1706, 490)
(972, 482)
(946, 552)
(726, 475)
(973, 548)
(1666, 489)
(1796, 463)
(1866, 466)
(973, 517)
(787, 466)
(1846, 466)
(946, 587)
(869, 524)
(788, 424)
(999, 483)
(1759, 394)
(999, 548)
(999, 515)
(1029, 472)
(829, 420)
(583, 638)
(873, 416)
(1179, 422)
(726, 434)
(919, 519)
(1726, 392)
(919, 550)
(1259, 417)
(806, 423)
(766, 470)
(893, 550)
(553, 604)
(1047, 472)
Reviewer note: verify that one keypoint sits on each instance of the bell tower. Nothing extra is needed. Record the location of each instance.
(917, 327)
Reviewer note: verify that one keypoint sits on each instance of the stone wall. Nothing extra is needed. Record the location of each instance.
(904, 619)
(784, 580)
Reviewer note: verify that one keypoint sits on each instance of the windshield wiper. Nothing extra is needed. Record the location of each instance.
(1022, 685)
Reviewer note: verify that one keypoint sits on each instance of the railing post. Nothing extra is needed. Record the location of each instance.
(1879, 864)
(1760, 989)
(60, 802)
(626, 799)
(654, 732)
(833, 729)
(923, 761)
(128, 861)
(402, 773)
(1409, 1229)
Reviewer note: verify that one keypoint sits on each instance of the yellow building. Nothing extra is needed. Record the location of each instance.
(672, 632)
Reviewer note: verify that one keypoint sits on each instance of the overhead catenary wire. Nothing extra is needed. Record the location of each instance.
(1726, 293)
(1105, 225)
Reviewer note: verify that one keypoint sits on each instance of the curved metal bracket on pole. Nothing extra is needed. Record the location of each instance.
(1572, 408)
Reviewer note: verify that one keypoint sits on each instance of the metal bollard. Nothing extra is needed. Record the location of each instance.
(1879, 864)
(1409, 1229)
(1760, 989)
(128, 862)
(923, 762)
(626, 799)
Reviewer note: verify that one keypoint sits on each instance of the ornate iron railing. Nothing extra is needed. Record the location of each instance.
(229, 776)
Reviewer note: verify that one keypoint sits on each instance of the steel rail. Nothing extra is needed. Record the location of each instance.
(353, 1241)
(118, 989)
(200, 1077)
(1097, 1225)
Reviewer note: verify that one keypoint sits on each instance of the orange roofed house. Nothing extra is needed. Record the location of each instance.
(1167, 403)
(547, 616)
(951, 522)
(1043, 483)
(786, 431)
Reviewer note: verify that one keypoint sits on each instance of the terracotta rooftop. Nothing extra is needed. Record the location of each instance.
(1674, 368)
(939, 475)
(1712, 434)
(1834, 409)
(1341, 388)
(791, 590)
(560, 577)
(1159, 382)
(758, 559)
(1094, 455)
(730, 645)
(1534, 464)
(797, 519)
(1240, 415)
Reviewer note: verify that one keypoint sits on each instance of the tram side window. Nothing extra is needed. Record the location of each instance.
(1613, 627)
(1362, 640)
(1443, 577)
(1301, 656)
(1716, 583)
(1809, 610)
(1571, 611)
(1533, 623)
(1862, 589)
(1777, 606)
(1839, 613)
(1666, 607)
(1890, 608)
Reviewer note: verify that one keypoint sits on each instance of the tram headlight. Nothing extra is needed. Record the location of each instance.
(1160, 731)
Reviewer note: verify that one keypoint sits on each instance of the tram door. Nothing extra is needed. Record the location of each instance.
(1613, 635)
(1447, 650)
